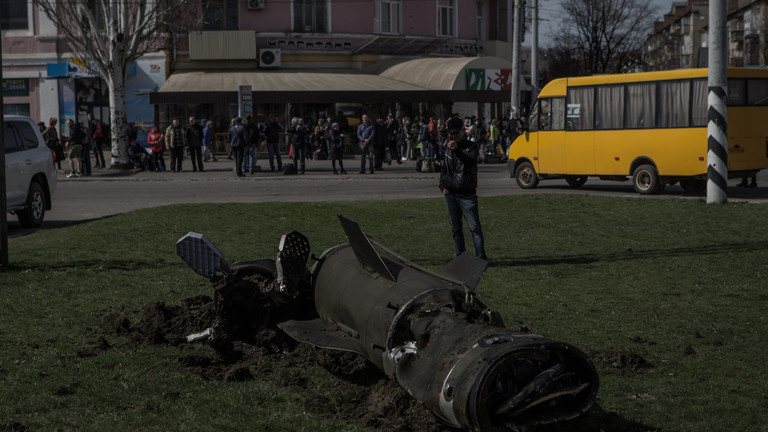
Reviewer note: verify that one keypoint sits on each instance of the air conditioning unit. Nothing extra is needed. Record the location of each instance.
(257, 4)
(269, 58)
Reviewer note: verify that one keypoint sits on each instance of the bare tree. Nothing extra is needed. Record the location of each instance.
(108, 36)
(604, 35)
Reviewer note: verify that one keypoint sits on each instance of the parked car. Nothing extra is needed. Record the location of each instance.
(30, 176)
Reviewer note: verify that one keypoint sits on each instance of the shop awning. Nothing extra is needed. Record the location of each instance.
(415, 80)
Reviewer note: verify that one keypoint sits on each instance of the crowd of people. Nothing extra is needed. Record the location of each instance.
(381, 141)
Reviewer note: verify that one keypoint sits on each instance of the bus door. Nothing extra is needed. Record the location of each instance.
(551, 135)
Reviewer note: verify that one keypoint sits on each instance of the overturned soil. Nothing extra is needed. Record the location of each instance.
(250, 346)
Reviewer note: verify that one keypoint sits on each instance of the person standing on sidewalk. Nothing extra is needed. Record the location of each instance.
(238, 141)
(272, 135)
(365, 137)
(458, 183)
(193, 139)
(76, 137)
(174, 140)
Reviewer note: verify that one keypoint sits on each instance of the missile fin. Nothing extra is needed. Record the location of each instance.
(466, 268)
(365, 253)
(323, 334)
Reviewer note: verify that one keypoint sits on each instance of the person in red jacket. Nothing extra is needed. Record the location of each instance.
(156, 142)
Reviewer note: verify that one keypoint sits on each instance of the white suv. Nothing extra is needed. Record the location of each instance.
(30, 177)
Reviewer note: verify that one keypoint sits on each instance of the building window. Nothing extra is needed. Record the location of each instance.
(310, 16)
(481, 21)
(446, 17)
(388, 14)
(16, 109)
(15, 15)
(220, 15)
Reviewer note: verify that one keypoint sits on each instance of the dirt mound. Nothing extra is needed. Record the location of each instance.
(249, 345)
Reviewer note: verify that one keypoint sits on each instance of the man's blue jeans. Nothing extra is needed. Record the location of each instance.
(466, 206)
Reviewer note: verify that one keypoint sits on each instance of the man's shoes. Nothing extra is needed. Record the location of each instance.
(370, 172)
(70, 175)
(335, 172)
(362, 172)
(202, 170)
(240, 175)
(343, 171)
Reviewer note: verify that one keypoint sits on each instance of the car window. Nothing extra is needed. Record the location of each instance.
(11, 144)
(27, 135)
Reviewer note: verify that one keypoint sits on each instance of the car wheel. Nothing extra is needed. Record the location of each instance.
(34, 212)
(646, 180)
(526, 176)
(576, 181)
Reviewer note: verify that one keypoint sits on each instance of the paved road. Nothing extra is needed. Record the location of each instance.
(110, 192)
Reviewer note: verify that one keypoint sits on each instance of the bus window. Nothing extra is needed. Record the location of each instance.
(641, 106)
(545, 115)
(736, 95)
(674, 103)
(609, 107)
(757, 92)
(700, 103)
(558, 113)
(580, 103)
(533, 120)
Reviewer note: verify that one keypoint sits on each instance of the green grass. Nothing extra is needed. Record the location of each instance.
(680, 283)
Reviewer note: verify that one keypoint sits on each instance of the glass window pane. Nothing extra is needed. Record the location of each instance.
(609, 110)
(757, 92)
(558, 113)
(14, 15)
(579, 108)
(641, 106)
(700, 103)
(674, 103)
(736, 95)
(28, 137)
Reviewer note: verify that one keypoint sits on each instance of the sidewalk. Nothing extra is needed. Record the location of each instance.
(223, 169)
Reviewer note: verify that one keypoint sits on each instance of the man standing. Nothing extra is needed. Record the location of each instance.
(238, 140)
(249, 154)
(76, 137)
(94, 129)
(193, 139)
(272, 135)
(458, 182)
(299, 141)
(174, 140)
(365, 136)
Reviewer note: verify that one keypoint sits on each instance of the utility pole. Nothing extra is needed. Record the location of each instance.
(535, 53)
(3, 202)
(515, 102)
(717, 138)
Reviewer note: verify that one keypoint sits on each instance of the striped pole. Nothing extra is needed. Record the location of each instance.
(717, 137)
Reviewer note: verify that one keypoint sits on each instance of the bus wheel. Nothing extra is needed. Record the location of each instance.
(526, 176)
(646, 180)
(693, 186)
(576, 181)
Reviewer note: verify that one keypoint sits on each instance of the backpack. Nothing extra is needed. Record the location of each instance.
(289, 169)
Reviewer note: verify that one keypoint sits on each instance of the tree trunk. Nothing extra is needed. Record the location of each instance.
(119, 120)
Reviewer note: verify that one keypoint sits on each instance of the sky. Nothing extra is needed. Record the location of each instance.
(551, 15)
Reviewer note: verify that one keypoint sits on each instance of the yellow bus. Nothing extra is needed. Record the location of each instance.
(650, 127)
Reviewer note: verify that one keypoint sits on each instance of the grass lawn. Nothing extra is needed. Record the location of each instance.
(668, 297)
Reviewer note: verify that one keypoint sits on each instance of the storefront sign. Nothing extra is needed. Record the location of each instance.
(489, 79)
(16, 87)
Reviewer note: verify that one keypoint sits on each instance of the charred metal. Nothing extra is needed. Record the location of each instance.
(424, 329)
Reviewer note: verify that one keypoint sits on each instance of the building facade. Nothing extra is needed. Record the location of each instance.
(680, 40)
(42, 79)
(301, 58)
